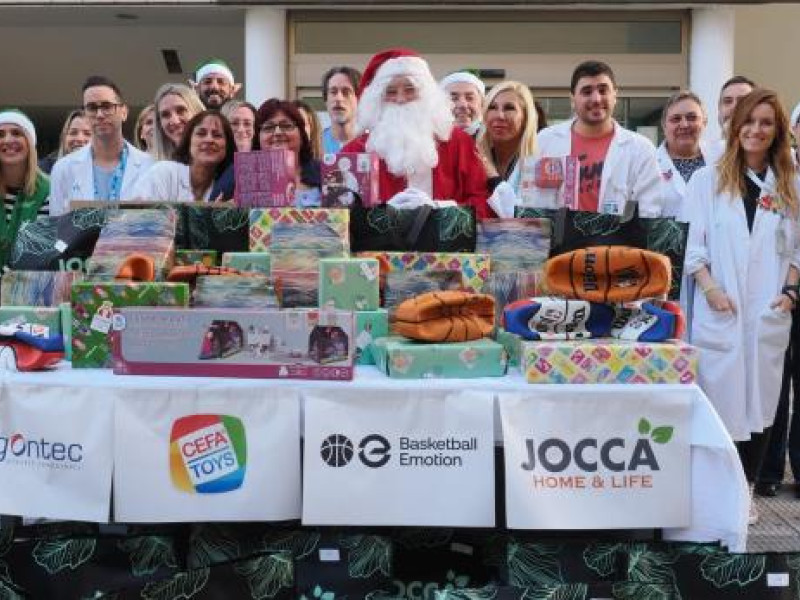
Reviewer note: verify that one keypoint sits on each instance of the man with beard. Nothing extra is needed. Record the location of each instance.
(733, 90)
(466, 93)
(408, 123)
(339, 86)
(214, 83)
(616, 165)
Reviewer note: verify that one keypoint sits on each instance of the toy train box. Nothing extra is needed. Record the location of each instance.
(257, 343)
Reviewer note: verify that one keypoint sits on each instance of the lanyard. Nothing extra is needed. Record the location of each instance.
(115, 185)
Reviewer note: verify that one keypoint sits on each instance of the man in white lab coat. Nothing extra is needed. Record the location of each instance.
(107, 168)
(733, 90)
(617, 165)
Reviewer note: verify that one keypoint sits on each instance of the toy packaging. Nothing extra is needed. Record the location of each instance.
(193, 257)
(290, 344)
(265, 178)
(93, 307)
(402, 358)
(336, 222)
(257, 262)
(550, 182)
(349, 174)
(40, 321)
(608, 361)
(474, 268)
(234, 291)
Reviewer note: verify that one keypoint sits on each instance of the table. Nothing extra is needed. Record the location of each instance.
(719, 495)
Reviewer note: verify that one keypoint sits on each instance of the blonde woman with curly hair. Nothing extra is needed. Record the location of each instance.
(744, 254)
(175, 105)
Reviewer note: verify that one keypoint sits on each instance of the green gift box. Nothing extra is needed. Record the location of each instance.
(258, 262)
(196, 257)
(46, 319)
(349, 283)
(93, 305)
(402, 358)
(512, 343)
(370, 325)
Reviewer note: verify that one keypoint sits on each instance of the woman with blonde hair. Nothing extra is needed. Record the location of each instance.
(144, 130)
(75, 133)
(242, 117)
(744, 254)
(509, 134)
(175, 104)
(24, 188)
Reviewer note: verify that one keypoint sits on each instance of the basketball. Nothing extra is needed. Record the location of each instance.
(336, 450)
(609, 274)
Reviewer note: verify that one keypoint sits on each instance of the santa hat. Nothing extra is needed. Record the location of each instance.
(13, 116)
(463, 77)
(213, 66)
(391, 63)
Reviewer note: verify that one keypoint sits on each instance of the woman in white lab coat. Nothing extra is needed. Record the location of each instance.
(681, 153)
(744, 254)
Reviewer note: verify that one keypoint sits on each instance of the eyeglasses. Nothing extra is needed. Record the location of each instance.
(107, 108)
(283, 127)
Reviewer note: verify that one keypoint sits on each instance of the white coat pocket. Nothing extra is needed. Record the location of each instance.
(713, 330)
(774, 330)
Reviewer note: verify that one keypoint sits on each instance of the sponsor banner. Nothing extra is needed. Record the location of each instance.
(55, 452)
(207, 455)
(398, 459)
(615, 458)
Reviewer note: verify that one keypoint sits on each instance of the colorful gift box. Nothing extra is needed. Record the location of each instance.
(474, 268)
(257, 262)
(262, 220)
(93, 305)
(290, 344)
(512, 343)
(45, 320)
(234, 291)
(349, 173)
(265, 178)
(402, 358)
(196, 257)
(402, 285)
(349, 283)
(608, 361)
(296, 276)
(370, 325)
(66, 328)
(37, 288)
(550, 182)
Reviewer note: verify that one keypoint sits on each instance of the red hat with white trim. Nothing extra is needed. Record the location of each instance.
(392, 62)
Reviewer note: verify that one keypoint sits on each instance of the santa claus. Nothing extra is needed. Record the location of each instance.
(405, 118)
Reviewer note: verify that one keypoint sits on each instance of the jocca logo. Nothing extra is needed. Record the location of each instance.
(208, 454)
(337, 450)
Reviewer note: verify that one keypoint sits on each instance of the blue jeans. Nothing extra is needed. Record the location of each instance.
(774, 465)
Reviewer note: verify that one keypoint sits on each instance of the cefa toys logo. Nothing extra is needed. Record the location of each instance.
(208, 454)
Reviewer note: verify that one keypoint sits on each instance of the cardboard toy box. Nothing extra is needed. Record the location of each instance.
(195, 257)
(262, 221)
(402, 358)
(277, 344)
(346, 174)
(93, 305)
(258, 262)
(474, 268)
(349, 283)
(608, 361)
(265, 178)
(370, 325)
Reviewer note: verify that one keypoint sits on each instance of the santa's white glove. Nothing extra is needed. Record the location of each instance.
(503, 200)
(409, 199)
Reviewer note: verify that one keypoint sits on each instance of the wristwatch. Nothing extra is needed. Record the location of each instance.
(792, 292)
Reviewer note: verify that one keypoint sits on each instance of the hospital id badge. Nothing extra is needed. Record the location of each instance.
(610, 208)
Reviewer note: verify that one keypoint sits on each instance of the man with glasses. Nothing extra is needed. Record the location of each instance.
(107, 168)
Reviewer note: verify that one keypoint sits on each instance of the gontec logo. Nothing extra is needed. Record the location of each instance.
(208, 454)
(19, 450)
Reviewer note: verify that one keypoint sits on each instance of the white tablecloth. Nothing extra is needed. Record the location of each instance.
(719, 489)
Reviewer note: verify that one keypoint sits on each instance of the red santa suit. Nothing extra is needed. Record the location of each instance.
(459, 176)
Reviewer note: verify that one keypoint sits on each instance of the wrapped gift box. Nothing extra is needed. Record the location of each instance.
(512, 343)
(235, 291)
(37, 288)
(265, 178)
(402, 358)
(93, 305)
(349, 173)
(474, 268)
(370, 325)
(262, 221)
(291, 344)
(399, 286)
(296, 276)
(196, 257)
(257, 262)
(608, 361)
(42, 321)
(349, 283)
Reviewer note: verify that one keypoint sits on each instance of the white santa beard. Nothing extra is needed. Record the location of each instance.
(405, 139)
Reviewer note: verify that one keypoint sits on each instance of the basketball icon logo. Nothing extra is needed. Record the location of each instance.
(336, 450)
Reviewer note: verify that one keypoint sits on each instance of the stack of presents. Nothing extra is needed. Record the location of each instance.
(270, 290)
